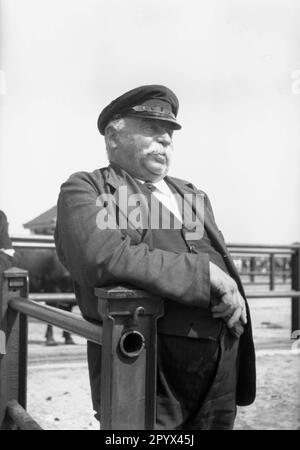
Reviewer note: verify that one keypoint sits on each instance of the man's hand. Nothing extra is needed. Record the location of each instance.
(231, 305)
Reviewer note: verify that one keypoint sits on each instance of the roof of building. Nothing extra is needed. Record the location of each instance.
(44, 220)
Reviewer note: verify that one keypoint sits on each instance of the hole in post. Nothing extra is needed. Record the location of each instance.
(132, 343)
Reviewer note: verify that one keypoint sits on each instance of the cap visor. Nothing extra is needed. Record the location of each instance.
(176, 125)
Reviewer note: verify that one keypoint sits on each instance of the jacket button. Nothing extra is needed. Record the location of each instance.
(189, 226)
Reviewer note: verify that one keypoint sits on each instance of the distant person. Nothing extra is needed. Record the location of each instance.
(205, 351)
(8, 256)
(57, 279)
(49, 334)
(48, 275)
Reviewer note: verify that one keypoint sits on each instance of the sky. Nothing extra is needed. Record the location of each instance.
(234, 65)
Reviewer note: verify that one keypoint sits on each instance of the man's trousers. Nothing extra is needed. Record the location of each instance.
(196, 382)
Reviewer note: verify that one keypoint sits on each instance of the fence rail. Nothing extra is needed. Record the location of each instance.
(53, 298)
(251, 252)
(20, 417)
(62, 319)
(272, 294)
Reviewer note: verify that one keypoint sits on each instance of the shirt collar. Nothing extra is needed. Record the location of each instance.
(160, 186)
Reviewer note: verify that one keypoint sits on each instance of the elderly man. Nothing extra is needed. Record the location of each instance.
(206, 360)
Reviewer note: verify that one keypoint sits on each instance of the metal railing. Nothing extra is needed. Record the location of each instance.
(34, 241)
(270, 254)
(249, 252)
(238, 250)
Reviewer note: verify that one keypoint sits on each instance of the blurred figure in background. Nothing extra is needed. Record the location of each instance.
(8, 256)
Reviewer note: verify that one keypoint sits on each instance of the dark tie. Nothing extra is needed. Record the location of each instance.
(150, 186)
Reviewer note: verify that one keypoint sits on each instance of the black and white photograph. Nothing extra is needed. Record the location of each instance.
(149, 218)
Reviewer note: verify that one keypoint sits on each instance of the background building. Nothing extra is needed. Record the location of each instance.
(44, 223)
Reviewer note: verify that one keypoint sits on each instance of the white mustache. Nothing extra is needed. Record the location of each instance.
(158, 152)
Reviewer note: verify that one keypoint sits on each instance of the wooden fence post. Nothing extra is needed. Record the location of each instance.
(272, 271)
(13, 339)
(296, 286)
(252, 268)
(129, 344)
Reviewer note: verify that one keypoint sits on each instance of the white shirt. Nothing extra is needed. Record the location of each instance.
(164, 194)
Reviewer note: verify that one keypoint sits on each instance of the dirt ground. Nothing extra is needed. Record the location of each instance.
(58, 383)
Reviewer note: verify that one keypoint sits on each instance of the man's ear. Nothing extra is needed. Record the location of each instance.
(110, 137)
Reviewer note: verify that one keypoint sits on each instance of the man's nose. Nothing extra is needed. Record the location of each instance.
(164, 138)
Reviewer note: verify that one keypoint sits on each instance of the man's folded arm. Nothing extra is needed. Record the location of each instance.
(97, 257)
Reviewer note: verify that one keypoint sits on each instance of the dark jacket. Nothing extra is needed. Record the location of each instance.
(97, 257)
(5, 241)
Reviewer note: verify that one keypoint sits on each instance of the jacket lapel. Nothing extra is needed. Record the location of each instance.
(210, 227)
(117, 179)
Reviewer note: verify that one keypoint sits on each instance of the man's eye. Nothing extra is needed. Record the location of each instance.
(156, 128)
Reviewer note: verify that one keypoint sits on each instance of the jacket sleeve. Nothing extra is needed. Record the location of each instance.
(97, 257)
